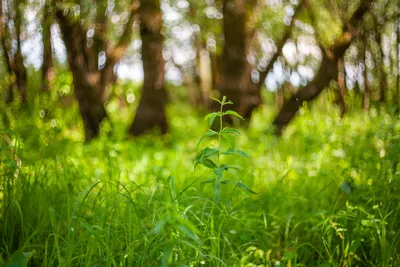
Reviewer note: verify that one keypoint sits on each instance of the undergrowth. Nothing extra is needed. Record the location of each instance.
(326, 193)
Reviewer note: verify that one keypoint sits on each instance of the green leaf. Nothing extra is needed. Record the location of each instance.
(208, 181)
(172, 188)
(230, 139)
(209, 164)
(209, 152)
(167, 251)
(227, 182)
(215, 99)
(229, 130)
(241, 153)
(159, 226)
(227, 203)
(209, 133)
(20, 259)
(212, 116)
(233, 113)
(229, 151)
(240, 185)
(188, 232)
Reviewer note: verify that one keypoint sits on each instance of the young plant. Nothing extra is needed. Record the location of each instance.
(210, 156)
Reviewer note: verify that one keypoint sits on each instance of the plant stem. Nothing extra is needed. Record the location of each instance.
(220, 130)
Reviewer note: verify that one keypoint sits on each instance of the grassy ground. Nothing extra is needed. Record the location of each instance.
(327, 194)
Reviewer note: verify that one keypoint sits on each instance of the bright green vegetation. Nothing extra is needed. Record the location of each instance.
(327, 193)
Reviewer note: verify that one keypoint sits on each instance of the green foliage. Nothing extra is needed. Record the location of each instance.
(327, 191)
(207, 155)
(18, 259)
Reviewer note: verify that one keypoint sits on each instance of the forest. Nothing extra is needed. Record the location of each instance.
(199, 133)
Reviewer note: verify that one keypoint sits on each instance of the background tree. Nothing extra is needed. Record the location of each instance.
(92, 57)
(11, 41)
(47, 66)
(328, 69)
(151, 110)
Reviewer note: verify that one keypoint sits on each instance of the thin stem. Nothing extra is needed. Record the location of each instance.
(220, 130)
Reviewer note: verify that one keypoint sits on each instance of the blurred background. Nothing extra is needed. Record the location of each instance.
(311, 180)
(91, 58)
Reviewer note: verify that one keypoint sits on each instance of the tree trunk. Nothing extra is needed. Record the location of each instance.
(397, 95)
(8, 93)
(14, 60)
(381, 66)
(47, 67)
(88, 89)
(235, 71)
(151, 110)
(327, 72)
(279, 97)
(19, 68)
(234, 68)
(342, 86)
(91, 78)
(366, 98)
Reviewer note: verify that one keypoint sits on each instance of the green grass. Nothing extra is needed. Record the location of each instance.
(327, 193)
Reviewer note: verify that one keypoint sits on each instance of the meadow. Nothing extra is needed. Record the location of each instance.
(325, 193)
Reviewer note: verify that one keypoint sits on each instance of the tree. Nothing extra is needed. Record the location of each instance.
(11, 46)
(151, 110)
(47, 66)
(92, 59)
(327, 72)
(234, 71)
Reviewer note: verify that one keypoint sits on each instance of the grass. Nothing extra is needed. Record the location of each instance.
(327, 194)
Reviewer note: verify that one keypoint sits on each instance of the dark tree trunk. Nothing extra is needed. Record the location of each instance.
(19, 68)
(202, 90)
(151, 110)
(215, 73)
(234, 68)
(279, 97)
(90, 79)
(328, 71)
(397, 95)
(8, 93)
(381, 68)
(14, 61)
(88, 89)
(366, 98)
(235, 71)
(47, 67)
(342, 86)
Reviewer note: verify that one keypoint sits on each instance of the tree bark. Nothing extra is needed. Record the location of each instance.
(14, 60)
(151, 110)
(88, 89)
(366, 98)
(279, 97)
(8, 93)
(397, 95)
(235, 80)
(380, 60)
(19, 68)
(234, 68)
(342, 86)
(328, 70)
(91, 80)
(47, 67)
